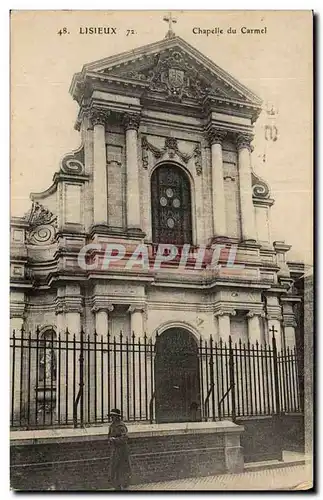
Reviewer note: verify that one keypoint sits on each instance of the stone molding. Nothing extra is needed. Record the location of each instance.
(274, 313)
(289, 320)
(243, 141)
(131, 121)
(17, 310)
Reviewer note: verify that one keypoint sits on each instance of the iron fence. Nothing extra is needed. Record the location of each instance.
(72, 379)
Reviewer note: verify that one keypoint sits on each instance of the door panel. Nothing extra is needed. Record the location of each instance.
(177, 377)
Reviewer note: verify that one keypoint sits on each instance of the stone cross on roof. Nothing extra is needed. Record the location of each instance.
(170, 20)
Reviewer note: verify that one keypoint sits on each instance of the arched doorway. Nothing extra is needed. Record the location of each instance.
(177, 383)
(171, 205)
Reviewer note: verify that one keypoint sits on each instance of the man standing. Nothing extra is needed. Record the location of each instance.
(120, 471)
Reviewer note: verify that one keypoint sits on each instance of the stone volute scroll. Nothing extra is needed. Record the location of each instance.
(73, 163)
(42, 225)
(260, 188)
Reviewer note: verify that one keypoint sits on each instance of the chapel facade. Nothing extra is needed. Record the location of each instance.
(165, 158)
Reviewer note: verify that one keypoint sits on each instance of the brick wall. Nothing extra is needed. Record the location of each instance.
(85, 465)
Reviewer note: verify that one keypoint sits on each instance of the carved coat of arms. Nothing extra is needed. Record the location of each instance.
(176, 77)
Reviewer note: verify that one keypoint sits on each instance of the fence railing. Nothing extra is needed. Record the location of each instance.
(72, 379)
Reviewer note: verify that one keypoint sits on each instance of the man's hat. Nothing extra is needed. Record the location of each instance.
(115, 411)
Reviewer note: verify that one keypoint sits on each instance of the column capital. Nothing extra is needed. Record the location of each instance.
(98, 116)
(225, 312)
(260, 314)
(131, 121)
(215, 136)
(100, 304)
(136, 308)
(256, 312)
(243, 141)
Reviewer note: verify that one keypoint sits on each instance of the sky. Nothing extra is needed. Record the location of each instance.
(277, 66)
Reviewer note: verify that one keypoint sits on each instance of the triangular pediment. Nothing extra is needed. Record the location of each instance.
(176, 69)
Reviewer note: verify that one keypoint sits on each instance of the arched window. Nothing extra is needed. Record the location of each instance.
(171, 205)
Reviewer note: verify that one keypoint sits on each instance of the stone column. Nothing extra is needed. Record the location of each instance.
(246, 204)
(17, 355)
(275, 321)
(289, 324)
(254, 330)
(17, 311)
(137, 363)
(137, 320)
(99, 366)
(218, 196)
(255, 396)
(100, 184)
(131, 122)
(68, 311)
(224, 328)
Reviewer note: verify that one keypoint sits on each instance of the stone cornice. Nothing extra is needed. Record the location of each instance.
(281, 247)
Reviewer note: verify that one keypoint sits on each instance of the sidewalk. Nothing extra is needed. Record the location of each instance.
(283, 478)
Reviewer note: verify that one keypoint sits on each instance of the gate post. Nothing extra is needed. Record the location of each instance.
(232, 383)
(276, 372)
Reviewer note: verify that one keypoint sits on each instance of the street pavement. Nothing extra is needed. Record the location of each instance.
(280, 478)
